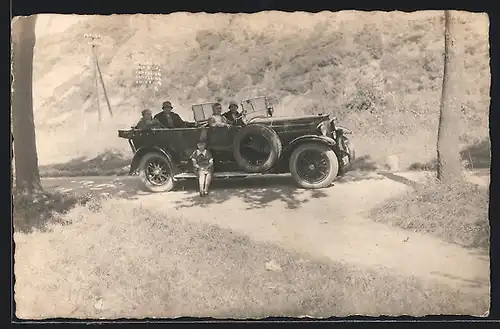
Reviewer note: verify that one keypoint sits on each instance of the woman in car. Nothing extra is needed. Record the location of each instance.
(217, 120)
(147, 121)
(233, 115)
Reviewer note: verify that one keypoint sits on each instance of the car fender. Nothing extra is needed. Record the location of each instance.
(309, 138)
(344, 130)
(142, 151)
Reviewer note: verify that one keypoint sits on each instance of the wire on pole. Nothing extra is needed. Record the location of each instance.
(104, 88)
(94, 40)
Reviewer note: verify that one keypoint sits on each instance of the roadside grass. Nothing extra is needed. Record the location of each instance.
(456, 212)
(38, 211)
(125, 261)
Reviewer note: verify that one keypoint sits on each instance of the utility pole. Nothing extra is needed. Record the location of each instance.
(95, 41)
(148, 74)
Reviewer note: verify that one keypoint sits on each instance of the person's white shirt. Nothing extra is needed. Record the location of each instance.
(204, 152)
(217, 120)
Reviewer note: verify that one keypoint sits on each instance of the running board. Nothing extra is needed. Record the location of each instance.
(220, 175)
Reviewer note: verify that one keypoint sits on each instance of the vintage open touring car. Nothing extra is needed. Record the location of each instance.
(312, 148)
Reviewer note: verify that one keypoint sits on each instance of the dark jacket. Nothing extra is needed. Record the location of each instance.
(203, 160)
(229, 116)
(175, 122)
(143, 124)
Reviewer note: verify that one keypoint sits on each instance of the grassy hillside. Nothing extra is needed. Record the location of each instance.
(380, 73)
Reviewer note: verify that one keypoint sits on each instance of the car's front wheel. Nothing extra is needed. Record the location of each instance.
(155, 172)
(314, 165)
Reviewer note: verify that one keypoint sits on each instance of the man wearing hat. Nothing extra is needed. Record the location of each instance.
(168, 118)
(233, 116)
(203, 164)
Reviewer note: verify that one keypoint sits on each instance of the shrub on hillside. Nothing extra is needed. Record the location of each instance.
(210, 40)
(475, 156)
(456, 213)
(109, 162)
(369, 40)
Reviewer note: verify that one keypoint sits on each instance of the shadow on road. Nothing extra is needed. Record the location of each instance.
(399, 179)
(256, 193)
(364, 163)
(118, 187)
(356, 176)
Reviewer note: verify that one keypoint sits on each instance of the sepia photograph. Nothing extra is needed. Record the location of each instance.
(246, 166)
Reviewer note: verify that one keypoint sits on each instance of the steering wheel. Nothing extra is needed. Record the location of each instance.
(243, 114)
(204, 125)
(257, 117)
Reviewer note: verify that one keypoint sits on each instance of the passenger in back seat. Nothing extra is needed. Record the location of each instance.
(217, 120)
(147, 121)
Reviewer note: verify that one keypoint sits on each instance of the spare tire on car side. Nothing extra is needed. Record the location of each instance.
(251, 138)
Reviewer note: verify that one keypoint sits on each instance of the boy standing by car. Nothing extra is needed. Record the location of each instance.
(203, 164)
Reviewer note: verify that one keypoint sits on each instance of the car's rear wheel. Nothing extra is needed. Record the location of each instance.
(155, 171)
(256, 148)
(314, 165)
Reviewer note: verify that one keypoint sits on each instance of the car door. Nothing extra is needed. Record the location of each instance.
(181, 143)
(220, 143)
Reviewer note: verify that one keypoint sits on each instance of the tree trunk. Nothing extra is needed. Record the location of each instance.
(27, 176)
(448, 150)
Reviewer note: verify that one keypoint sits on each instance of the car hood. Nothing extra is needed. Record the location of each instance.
(279, 120)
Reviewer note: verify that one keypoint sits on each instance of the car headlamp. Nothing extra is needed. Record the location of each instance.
(324, 128)
(333, 123)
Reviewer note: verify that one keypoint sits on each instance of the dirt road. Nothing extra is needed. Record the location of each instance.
(326, 224)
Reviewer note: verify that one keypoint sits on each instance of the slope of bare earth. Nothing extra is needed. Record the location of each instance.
(251, 249)
(379, 72)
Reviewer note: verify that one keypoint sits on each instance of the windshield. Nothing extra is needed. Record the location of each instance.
(201, 112)
(255, 104)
